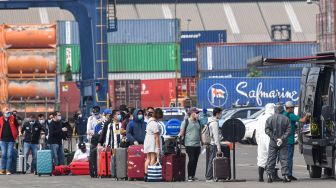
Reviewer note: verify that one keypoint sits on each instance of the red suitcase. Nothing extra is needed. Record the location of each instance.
(136, 162)
(173, 167)
(104, 163)
(79, 168)
(61, 170)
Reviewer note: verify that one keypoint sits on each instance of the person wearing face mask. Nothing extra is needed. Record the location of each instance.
(191, 131)
(112, 130)
(32, 132)
(43, 123)
(92, 121)
(8, 134)
(149, 113)
(82, 153)
(136, 129)
(216, 137)
(56, 135)
(80, 125)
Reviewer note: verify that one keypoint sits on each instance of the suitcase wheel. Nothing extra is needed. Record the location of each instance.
(215, 179)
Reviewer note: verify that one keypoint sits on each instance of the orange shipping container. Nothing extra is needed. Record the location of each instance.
(32, 108)
(31, 89)
(3, 69)
(31, 61)
(3, 91)
(29, 36)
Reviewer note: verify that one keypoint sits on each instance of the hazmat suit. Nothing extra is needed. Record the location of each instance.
(278, 129)
(263, 140)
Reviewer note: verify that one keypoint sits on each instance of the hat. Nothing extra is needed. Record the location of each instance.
(107, 111)
(193, 110)
(289, 104)
(81, 145)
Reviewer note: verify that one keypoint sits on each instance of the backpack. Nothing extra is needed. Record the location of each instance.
(205, 135)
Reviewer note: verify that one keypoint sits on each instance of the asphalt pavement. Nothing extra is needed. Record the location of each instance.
(246, 170)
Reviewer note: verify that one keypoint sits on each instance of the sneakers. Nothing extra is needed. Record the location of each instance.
(190, 179)
(209, 180)
(2, 172)
(8, 173)
(292, 178)
(286, 179)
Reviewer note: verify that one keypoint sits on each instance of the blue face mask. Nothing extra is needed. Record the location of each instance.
(119, 117)
(140, 117)
(49, 120)
(7, 114)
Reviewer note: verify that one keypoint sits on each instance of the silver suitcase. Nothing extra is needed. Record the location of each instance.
(121, 163)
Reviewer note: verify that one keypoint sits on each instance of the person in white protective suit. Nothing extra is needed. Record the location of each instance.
(263, 140)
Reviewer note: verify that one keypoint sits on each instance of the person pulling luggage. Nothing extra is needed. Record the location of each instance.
(278, 129)
(191, 133)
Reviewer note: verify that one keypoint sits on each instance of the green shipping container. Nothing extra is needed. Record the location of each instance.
(143, 57)
(68, 54)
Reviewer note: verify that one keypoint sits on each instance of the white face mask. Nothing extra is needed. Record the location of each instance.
(59, 118)
(42, 121)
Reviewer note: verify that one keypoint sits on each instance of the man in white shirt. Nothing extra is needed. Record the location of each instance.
(82, 154)
(93, 120)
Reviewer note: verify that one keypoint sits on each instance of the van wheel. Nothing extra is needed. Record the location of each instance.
(315, 171)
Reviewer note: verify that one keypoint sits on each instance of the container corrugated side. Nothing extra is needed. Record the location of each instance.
(235, 56)
(69, 98)
(142, 76)
(67, 32)
(145, 31)
(254, 91)
(143, 57)
(68, 54)
(295, 72)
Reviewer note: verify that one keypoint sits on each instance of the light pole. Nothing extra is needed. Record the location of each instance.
(176, 57)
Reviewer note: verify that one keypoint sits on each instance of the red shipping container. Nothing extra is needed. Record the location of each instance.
(69, 98)
(157, 93)
(187, 87)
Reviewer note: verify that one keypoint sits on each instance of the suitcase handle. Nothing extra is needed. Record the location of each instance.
(220, 155)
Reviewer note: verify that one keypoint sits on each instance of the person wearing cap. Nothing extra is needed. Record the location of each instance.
(291, 139)
(93, 120)
(32, 131)
(278, 129)
(136, 129)
(216, 137)
(191, 132)
(82, 153)
(8, 134)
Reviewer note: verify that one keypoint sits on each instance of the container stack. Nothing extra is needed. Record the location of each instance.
(326, 29)
(28, 71)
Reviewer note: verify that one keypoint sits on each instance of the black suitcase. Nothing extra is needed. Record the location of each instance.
(225, 149)
(221, 168)
(93, 163)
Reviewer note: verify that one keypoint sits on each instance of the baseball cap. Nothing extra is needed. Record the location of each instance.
(289, 104)
(81, 145)
(193, 110)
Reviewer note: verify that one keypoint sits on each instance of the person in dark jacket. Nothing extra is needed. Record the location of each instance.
(56, 135)
(32, 132)
(278, 129)
(136, 129)
(81, 124)
(42, 121)
(111, 135)
(8, 134)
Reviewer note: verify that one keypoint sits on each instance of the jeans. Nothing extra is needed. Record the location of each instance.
(57, 153)
(7, 151)
(290, 159)
(27, 147)
(193, 154)
(212, 155)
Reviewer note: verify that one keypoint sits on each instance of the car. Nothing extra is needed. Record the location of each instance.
(172, 119)
(239, 113)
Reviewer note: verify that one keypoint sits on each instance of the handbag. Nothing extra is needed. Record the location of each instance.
(154, 173)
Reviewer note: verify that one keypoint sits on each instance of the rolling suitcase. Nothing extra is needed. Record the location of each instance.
(104, 163)
(79, 168)
(173, 167)
(221, 168)
(119, 163)
(21, 163)
(136, 162)
(44, 163)
(61, 170)
(225, 149)
(93, 163)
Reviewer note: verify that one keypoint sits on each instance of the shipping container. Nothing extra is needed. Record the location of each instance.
(187, 87)
(3, 65)
(189, 41)
(144, 58)
(126, 92)
(157, 93)
(32, 90)
(143, 76)
(69, 98)
(30, 61)
(28, 108)
(253, 91)
(269, 72)
(145, 31)
(29, 36)
(67, 33)
(68, 55)
(221, 57)
(3, 91)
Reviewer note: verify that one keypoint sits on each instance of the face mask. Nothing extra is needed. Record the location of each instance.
(119, 117)
(59, 118)
(80, 115)
(7, 114)
(49, 120)
(31, 122)
(140, 117)
(42, 121)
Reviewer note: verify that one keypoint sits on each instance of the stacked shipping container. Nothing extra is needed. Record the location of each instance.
(28, 67)
(325, 26)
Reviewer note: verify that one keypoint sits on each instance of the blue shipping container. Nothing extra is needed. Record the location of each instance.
(235, 56)
(255, 91)
(189, 41)
(243, 73)
(145, 31)
(67, 32)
